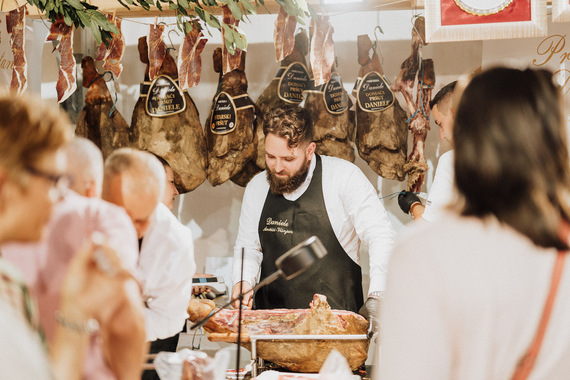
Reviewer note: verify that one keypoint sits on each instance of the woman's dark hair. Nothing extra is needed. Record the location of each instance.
(291, 122)
(511, 157)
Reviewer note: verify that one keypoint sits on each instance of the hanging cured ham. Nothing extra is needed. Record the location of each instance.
(66, 83)
(166, 122)
(113, 54)
(15, 24)
(287, 87)
(299, 356)
(322, 49)
(230, 133)
(100, 121)
(419, 109)
(229, 61)
(329, 106)
(283, 35)
(381, 134)
(189, 59)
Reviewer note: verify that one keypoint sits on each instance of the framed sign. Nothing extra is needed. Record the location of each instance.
(560, 10)
(468, 20)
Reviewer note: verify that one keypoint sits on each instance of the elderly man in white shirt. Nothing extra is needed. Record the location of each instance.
(303, 194)
(135, 180)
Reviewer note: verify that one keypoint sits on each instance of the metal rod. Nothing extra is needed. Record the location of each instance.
(309, 337)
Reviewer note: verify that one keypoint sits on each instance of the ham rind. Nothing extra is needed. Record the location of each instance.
(322, 50)
(66, 83)
(229, 61)
(156, 50)
(416, 163)
(189, 60)
(112, 55)
(284, 34)
(15, 24)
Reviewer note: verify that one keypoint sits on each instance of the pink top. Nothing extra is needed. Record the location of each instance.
(44, 264)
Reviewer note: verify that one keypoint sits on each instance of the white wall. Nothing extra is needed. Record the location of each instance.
(213, 212)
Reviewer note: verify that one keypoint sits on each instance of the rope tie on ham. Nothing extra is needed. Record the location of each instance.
(116, 97)
(421, 103)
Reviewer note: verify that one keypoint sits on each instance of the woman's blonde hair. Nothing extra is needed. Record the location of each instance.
(29, 128)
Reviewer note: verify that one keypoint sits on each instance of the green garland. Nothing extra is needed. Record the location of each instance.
(85, 15)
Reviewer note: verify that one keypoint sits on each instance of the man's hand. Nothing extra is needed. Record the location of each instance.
(198, 289)
(406, 200)
(371, 311)
(248, 295)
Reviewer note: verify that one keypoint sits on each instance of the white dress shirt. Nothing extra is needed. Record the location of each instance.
(442, 190)
(355, 213)
(167, 265)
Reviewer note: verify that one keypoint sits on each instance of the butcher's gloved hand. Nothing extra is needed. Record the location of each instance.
(406, 200)
(371, 311)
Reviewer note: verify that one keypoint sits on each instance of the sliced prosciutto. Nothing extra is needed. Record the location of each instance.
(284, 34)
(322, 50)
(229, 61)
(189, 60)
(156, 50)
(112, 55)
(15, 24)
(66, 83)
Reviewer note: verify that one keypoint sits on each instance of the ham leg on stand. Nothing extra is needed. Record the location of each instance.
(418, 123)
(300, 355)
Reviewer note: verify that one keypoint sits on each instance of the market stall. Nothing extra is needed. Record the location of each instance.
(194, 95)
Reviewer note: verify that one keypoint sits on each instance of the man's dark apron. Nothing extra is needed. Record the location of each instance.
(284, 224)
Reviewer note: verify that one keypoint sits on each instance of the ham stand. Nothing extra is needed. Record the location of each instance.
(292, 263)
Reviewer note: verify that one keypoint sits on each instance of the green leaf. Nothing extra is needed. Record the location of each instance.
(173, 6)
(159, 6)
(95, 31)
(183, 4)
(213, 21)
(235, 9)
(83, 18)
(125, 5)
(75, 4)
(249, 6)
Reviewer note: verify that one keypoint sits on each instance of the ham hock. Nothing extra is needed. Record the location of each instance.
(294, 355)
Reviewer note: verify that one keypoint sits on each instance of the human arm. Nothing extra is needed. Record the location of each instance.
(370, 222)
(441, 191)
(96, 287)
(411, 204)
(247, 240)
(167, 293)
(245, 288)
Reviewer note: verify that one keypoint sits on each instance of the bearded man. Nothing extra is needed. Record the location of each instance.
(302, 194)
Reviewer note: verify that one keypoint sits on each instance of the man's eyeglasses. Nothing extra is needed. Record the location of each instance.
(60, 183)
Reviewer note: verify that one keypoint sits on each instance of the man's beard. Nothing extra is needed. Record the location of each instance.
(287, 185)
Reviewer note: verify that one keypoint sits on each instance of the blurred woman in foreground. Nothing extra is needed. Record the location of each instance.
(97, 290)
(465, 297)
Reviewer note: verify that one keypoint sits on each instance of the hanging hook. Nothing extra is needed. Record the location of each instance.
(413, 21)
(376, 45)
(170, 39)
